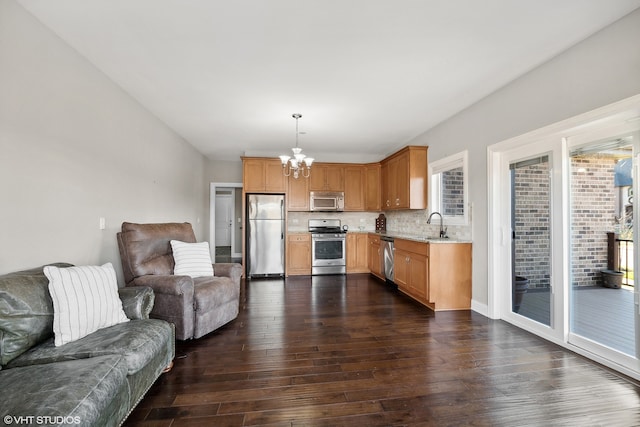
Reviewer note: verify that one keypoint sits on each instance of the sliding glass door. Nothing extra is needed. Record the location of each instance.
(530, 182)
(563, 227)
(603, 315)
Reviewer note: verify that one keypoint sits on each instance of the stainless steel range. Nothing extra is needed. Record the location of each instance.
(328, 247)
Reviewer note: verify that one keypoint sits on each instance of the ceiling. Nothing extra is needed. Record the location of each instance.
(366, 75)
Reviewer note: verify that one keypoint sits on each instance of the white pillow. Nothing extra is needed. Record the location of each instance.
(192, 259)
(85, 299)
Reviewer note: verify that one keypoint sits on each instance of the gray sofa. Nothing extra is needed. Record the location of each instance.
(196, 306)
(94, 381)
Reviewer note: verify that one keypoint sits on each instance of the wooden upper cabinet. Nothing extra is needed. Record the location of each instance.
(372, 183)
(354, 188)
(392, 184)
(263, 175)
(275, 181)
(298, 194)
(404, 179)
(400, 170)
(385, 197)
(252, 175)
(326, 177)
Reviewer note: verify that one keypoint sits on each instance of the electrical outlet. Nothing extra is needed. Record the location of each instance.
(102, 223)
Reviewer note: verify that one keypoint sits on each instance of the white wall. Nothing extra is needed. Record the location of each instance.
(73, 148)
(598, 71)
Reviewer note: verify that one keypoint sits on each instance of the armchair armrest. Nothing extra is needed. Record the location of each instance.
(168, 285)
(174, 301)
(137, 301)
(228, 269)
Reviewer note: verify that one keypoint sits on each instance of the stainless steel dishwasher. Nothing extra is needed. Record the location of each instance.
(387, 257)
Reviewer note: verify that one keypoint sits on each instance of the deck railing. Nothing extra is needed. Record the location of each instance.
(620, 257)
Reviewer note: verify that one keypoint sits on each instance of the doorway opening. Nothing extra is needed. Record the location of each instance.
(225, 227)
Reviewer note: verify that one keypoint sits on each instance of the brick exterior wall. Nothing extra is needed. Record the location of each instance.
(532, 249)
(452, 187)
(592, 216)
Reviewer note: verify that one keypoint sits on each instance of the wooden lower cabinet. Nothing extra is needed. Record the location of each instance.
(437, 275)
(375, 256)
(298, 254)
(450, 276)
(357, 253)
(411, 267)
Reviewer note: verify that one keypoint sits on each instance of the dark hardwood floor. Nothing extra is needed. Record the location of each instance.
(350, 351)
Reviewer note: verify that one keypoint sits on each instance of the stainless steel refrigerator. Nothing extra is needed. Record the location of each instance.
(265, 235)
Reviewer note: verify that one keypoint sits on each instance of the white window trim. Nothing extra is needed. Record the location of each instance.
(454, 161)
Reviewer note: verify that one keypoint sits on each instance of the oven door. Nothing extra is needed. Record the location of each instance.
(328, 250)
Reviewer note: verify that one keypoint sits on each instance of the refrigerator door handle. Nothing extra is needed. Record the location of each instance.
(282, 219)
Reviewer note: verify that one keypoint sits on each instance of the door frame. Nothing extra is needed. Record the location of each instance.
(499, 237)
(213, 186)
(585, 343)
(502, 271)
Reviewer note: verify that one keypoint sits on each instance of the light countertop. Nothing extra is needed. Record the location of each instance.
(420, 238)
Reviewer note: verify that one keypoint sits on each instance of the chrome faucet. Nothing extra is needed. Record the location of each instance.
(443, 231)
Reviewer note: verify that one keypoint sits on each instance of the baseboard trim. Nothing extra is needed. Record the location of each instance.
(480, 308)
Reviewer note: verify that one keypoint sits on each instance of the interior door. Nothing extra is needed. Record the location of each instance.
(224, 219)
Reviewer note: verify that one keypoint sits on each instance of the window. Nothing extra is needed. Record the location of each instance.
(449, 194)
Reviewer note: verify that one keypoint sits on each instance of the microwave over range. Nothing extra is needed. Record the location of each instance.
(326, 201)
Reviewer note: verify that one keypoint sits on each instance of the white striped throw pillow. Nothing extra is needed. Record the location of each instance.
(192, 259)
(85, 299)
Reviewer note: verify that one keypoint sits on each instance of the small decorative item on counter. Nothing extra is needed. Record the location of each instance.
(381, 224)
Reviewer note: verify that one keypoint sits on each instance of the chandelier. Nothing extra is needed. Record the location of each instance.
(299, 164)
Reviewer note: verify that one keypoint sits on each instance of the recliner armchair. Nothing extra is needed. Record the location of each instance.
(196, 306)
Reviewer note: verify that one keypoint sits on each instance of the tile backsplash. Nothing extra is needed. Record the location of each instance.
(415, 222)
(299, 221)
(402, 222)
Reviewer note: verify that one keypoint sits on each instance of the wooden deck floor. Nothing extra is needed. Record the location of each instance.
(336, 351)
(602, 314)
